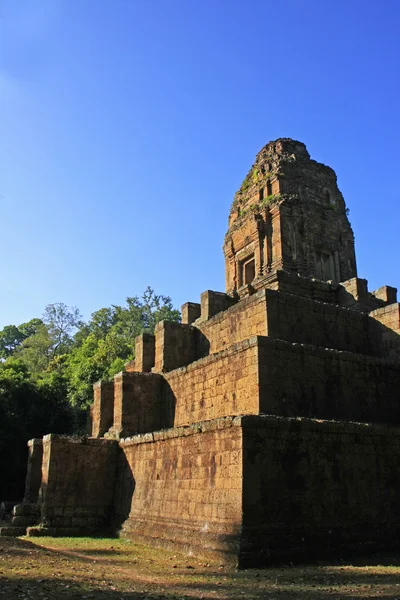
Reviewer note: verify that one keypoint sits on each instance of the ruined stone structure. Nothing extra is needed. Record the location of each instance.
(266, 425)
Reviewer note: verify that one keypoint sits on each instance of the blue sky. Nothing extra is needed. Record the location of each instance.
(128, 125)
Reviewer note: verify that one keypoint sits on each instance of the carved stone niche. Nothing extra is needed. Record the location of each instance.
(327, 265)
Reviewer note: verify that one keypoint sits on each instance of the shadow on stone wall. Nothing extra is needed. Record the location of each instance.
(203, 345)
(385, 339)
(168, 405)
(123, 493)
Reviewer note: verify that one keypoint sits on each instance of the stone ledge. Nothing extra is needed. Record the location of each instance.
(265, 422)
(269, 342)
(259, 296)
(201, 362)
(63, 531)
(322, 426)
(72, 439)
(389, 308)
(184, 431)
(10, 531)
(310, 349)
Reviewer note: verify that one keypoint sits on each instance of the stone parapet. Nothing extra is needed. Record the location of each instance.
(213, 303)
(103, 407)
(175, 345)
(386, 329)
(138, 404)
(34, 470)
(386, 294)
(145, 348)
(191, 311)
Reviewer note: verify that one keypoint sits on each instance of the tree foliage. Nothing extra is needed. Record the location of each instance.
(49, 364)
(12, 337)
(62, 353)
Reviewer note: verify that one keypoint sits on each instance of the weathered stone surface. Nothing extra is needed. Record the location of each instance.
(313, 488)
(191, 311)
(26, 510)
(78, 481)
(34, 471)
(175, 345)
(24, 521)
(187, 491)
(10, 531)
(288, 214)
(138, 403)
(6, 509)
(103, 407)
(145, 350)
(214, 302)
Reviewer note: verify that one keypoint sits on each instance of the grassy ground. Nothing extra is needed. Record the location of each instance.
(111, 569)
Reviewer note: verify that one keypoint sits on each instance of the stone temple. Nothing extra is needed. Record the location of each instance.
(266, 425)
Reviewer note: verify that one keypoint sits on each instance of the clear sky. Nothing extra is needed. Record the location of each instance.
(126, 126)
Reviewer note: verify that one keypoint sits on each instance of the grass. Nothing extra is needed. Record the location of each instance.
(112, 569)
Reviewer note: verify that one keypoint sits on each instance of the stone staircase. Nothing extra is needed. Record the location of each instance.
(15, 518)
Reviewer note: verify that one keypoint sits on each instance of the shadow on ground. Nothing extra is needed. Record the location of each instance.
(30, 571)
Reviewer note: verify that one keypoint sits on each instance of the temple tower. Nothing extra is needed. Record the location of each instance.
(288, 215)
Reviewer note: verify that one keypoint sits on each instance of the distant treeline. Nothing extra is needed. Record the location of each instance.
(48, 367)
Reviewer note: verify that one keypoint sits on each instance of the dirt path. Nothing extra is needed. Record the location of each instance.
(66, 568)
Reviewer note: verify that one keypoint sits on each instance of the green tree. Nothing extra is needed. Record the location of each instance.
(12, 337)
(111, 342)
(100, 324)
(51, 337)
(31, 327)
(61, 322)
(95, 359)
(142, 314)
(36, 350)
(27, 409)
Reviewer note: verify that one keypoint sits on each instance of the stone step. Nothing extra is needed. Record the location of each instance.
(6, 507)
(24, 521)
(40, 531)
(26, 510)
(10, 531)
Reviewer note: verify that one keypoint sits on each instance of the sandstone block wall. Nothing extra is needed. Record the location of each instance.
(187, 487)
(191, 311)
(138, 403)
(34, 471)
(212, 303)
(312, 487)
(103, 407)
(222, 384)
(302, 380)
(306, 321)
(145, 352)
(78, 479)
(386, 294)
(287, 316)
(292, 283)
(282, 378)
(240, 322)
(175, 345)
(388, 333)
